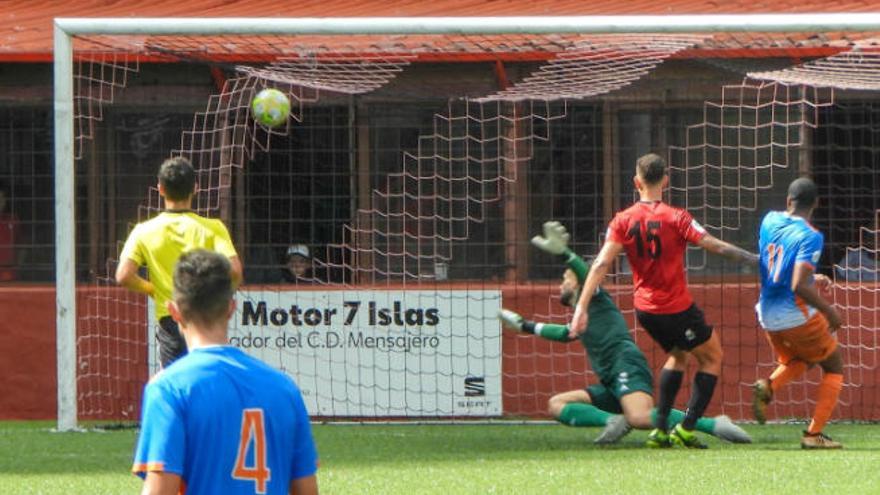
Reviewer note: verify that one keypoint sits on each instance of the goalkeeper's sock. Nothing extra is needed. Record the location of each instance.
(670, 382)
(580, 414)
(826, 399)
(705, 425)
(549, 331)
(785, 373)
(704, 388)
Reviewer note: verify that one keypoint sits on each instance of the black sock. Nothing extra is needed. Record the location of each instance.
(670, 382)
(704, 387)
(528, 326)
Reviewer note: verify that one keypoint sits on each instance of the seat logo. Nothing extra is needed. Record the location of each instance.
(474, 386)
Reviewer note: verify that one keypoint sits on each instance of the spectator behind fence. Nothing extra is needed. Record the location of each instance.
(9, 238)
(298, 267)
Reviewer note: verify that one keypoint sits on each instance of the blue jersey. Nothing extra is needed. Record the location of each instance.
(226, 423)
(785, 241)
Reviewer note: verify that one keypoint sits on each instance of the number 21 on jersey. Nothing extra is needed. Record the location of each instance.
(252, 438)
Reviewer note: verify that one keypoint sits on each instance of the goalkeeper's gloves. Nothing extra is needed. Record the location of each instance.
(510, 319)
(555, 239)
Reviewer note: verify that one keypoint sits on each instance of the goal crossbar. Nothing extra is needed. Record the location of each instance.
(474, 25)
(66, 28)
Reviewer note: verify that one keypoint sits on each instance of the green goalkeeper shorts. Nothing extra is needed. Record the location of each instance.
(629, 374)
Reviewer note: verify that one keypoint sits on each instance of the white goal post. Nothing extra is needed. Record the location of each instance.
(66, 28)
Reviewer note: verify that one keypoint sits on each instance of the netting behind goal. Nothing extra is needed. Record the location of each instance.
(415, 169)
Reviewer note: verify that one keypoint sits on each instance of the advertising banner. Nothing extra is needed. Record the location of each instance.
(394, 353)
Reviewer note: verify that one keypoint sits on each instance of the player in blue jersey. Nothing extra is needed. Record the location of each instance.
(217, 420)
(798, 321)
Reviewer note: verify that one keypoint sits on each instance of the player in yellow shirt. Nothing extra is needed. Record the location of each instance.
(159, 242)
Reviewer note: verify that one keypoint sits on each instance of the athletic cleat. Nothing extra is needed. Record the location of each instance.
(615, 428)
(762, 394)
(819, 441)
(726, 430)
(510, 319)
(683, 438)
(658, 439)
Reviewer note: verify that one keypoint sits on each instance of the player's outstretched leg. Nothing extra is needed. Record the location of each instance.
(615, 428)
(726, 430)
(637, 406)
(574, 408)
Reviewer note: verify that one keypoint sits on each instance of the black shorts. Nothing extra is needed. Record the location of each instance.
(172, 345)
(684, 330)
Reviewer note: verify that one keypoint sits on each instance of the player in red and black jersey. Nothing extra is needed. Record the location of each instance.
(655, 237)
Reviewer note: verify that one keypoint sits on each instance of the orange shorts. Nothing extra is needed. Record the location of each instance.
(810, 342)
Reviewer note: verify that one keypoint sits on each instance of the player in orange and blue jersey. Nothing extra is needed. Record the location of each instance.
(217, 420)
(790, 309)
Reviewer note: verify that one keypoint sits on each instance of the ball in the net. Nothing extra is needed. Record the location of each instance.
(270, 107)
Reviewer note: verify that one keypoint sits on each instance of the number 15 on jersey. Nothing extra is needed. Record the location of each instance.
(651, 239)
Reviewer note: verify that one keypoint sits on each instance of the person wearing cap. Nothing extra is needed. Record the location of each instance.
(297, 264)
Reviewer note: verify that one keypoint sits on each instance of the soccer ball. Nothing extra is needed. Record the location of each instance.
(270, 107)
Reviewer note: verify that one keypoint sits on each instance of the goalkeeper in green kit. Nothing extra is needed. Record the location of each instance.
(622, 399)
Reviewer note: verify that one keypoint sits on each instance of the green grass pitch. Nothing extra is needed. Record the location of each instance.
(478, 459)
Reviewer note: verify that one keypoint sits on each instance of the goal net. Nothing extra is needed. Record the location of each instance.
(414, 169)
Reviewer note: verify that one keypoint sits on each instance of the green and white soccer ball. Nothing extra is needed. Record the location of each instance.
(270, 107)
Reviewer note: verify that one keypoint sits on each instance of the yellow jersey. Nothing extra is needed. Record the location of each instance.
(159, 242)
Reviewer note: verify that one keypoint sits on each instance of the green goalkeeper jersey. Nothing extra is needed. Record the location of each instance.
(607, 339)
